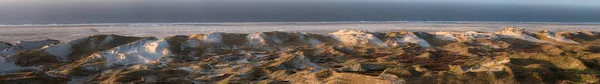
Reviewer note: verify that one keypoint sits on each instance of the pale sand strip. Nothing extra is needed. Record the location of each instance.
(29, 33)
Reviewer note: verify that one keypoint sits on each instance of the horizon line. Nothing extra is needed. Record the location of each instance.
(299, 22)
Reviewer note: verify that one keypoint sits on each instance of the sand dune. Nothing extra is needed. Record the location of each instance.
(345, 56)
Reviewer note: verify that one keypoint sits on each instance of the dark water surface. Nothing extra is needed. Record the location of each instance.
(134, 11)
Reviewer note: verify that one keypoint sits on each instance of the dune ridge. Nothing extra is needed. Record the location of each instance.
(298, 57)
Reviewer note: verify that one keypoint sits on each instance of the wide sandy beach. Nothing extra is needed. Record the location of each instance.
(15, 33)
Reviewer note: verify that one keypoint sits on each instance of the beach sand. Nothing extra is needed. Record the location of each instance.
(14, 34)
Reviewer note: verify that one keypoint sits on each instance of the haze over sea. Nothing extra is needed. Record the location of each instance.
(14, 12)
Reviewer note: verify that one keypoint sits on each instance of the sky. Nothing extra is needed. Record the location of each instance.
(172, 11)
(523, 2)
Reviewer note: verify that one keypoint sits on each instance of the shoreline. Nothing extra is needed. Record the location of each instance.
(284, 23)
(13, 34)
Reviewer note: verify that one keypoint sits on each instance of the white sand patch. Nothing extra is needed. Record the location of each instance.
(26, 45)
(469, 35)
(412, 38)
(257, 39)
(517, 33)
(354, 37)
(556, 37)
(196, 40)
(140, 52)
(214, 37)
(451, 36)
(462, 36)
(192, 42)
(62, 50)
